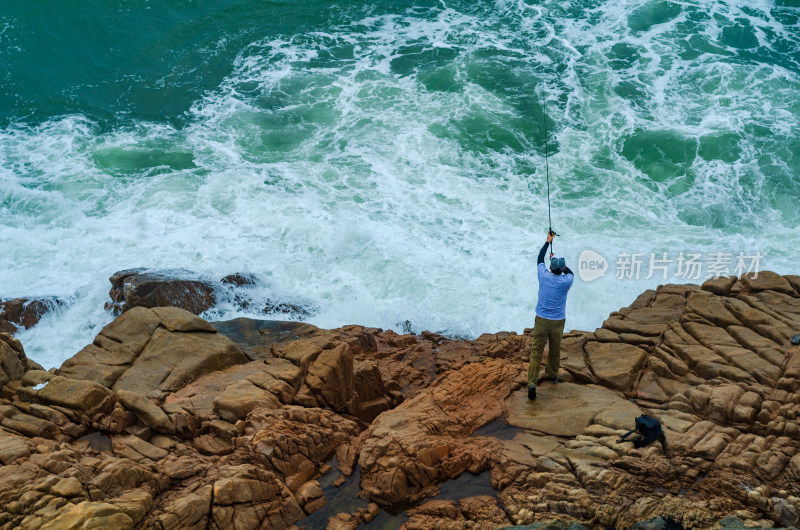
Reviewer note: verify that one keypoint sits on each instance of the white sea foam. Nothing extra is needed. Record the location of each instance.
(326, 164)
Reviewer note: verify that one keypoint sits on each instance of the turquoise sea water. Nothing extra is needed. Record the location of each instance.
(385, 160)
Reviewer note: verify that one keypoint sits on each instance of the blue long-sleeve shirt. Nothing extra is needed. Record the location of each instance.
(553, 289)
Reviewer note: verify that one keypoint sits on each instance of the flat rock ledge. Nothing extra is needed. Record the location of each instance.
(167, 421)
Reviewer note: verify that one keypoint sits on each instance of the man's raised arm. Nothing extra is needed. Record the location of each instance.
(542, 252)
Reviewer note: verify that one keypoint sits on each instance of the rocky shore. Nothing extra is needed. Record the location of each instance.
(167, 421)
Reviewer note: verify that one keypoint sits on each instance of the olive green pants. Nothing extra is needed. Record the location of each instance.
(544, 330)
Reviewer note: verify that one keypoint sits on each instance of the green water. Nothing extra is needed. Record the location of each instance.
(385, 161)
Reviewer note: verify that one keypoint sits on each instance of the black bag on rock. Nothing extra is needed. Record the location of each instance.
(648, 427)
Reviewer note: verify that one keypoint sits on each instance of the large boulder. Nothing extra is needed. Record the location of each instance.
(171, 360)
(12, 448)
(407, 451)
(157, 350)
(330, 378)
(768, 281)
(160, 288)
(13, 362)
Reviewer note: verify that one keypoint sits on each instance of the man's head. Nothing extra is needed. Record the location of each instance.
(557, 264)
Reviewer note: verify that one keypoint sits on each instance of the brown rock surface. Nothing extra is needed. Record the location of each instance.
(715, 367)
(77, 395)
(566, 409)
(145, 350)
(13, 362)
(426, 437)
(615, 364)
(150, 414)
(91, 515)
(164, 422)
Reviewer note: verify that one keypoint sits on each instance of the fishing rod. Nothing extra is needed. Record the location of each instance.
(547, 172)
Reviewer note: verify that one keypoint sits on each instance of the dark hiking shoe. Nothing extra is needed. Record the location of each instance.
(553, 379)
(531, 392)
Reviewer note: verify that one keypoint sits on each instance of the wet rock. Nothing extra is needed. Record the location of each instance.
(143, 287)
(257, 338)
(284, 307)
(160, 288)
(658, 523)
(25, 312)
(239, 279)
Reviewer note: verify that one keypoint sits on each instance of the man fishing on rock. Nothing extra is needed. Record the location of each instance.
(554, 284)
